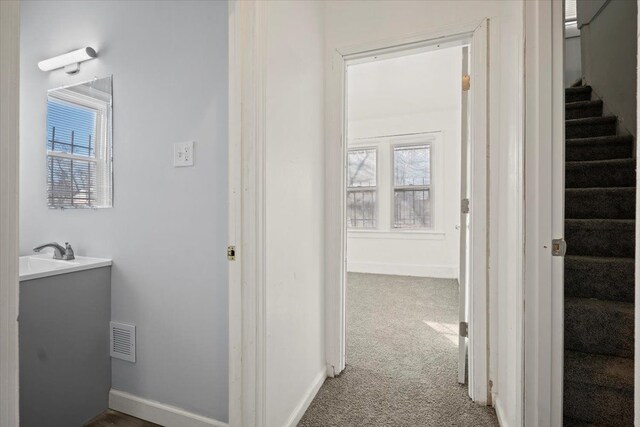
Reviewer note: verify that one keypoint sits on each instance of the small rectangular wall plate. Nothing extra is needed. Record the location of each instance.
(183, 154)
(122, 343)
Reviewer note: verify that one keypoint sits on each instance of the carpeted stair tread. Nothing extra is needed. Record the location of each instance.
(599, 148)
(599, 267)
(596, 369)
(599, 327)
(597, 406)
(582, 109)
(600, 202)
(600, 237)
(572, 422)
(579, 93)
(600, 173)
(604, 278)
(590, 127)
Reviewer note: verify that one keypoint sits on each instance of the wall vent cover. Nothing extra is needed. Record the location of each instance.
(123, 341)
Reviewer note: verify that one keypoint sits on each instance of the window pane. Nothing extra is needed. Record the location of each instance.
(71, 183)
(412, 208)
(412, 165)
(71, 128)
(361, 208)
(362, 168)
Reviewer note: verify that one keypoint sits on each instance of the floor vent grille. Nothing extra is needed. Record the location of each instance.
(123, 341)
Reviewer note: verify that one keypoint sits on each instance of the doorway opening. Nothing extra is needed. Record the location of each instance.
(403, 187)
(413, 168)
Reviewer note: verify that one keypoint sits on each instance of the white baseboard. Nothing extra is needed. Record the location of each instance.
(156, 412)
(502, 421)
(302, 407)
(416, 270)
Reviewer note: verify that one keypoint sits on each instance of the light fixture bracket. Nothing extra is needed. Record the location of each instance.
(72, 68)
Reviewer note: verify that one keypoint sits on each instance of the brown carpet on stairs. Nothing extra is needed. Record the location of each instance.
(402, 349)
(111, 418)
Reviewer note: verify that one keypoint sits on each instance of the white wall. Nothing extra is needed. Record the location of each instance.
(351, 23)
(607, 38)
(572, 55)
(167, 231)
(294, 208)
(419, 93)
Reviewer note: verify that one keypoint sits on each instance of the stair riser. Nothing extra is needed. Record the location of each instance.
(598, 405)
(573, 96)
(604, 330)
(601, 280)
(599, 175)
(597, 241)
(601, 204)
(575, 152)
(583, 112)
(587, 130)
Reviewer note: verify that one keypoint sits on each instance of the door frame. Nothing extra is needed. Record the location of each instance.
(544, 208)
(9, 164)
(335, 219)
(247, 314)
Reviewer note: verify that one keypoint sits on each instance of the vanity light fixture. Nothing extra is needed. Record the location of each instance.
(70, 61)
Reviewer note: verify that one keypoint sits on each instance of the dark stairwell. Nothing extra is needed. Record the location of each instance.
(600, 203)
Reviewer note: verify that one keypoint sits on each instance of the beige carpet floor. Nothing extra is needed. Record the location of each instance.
(401, 359)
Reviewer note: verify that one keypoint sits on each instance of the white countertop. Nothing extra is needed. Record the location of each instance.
(43, 265)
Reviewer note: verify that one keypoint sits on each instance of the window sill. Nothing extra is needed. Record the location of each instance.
(396, 234)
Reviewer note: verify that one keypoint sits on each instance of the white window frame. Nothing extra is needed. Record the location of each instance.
(375, 190)
(103, 159)
(408, 144)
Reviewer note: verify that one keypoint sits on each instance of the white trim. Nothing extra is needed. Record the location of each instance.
(302, 407)
(395, 234)
(544, 184)
(159, 413)
(247, 310)
(335, 231)
(637, 263)
(479, 226)
(415, 270)
(9, 164)
(502, 419)
(234, 215)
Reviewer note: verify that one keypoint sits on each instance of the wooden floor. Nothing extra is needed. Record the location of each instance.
(110, 418)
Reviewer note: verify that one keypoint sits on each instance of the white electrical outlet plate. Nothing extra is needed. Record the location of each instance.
(183, 154)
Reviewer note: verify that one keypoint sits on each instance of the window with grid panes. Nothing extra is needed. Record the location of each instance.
(412, 186)
(362, 189)
(78, 152)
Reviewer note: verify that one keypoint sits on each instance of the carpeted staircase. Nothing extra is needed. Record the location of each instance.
(599, 266)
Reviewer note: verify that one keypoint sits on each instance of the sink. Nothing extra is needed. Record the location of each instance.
(43, 265)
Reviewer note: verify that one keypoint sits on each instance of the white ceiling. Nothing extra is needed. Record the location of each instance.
(405, 85)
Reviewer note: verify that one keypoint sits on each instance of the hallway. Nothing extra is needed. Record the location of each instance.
(401, 359)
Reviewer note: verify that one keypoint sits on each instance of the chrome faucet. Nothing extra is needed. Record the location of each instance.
(59, 252)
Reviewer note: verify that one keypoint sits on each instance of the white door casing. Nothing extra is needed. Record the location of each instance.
(544, 207)
(335, 232)
(464, 223)
(478, 218)
(9, 148)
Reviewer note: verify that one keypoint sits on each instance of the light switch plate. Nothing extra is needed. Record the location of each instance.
(183, 154)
